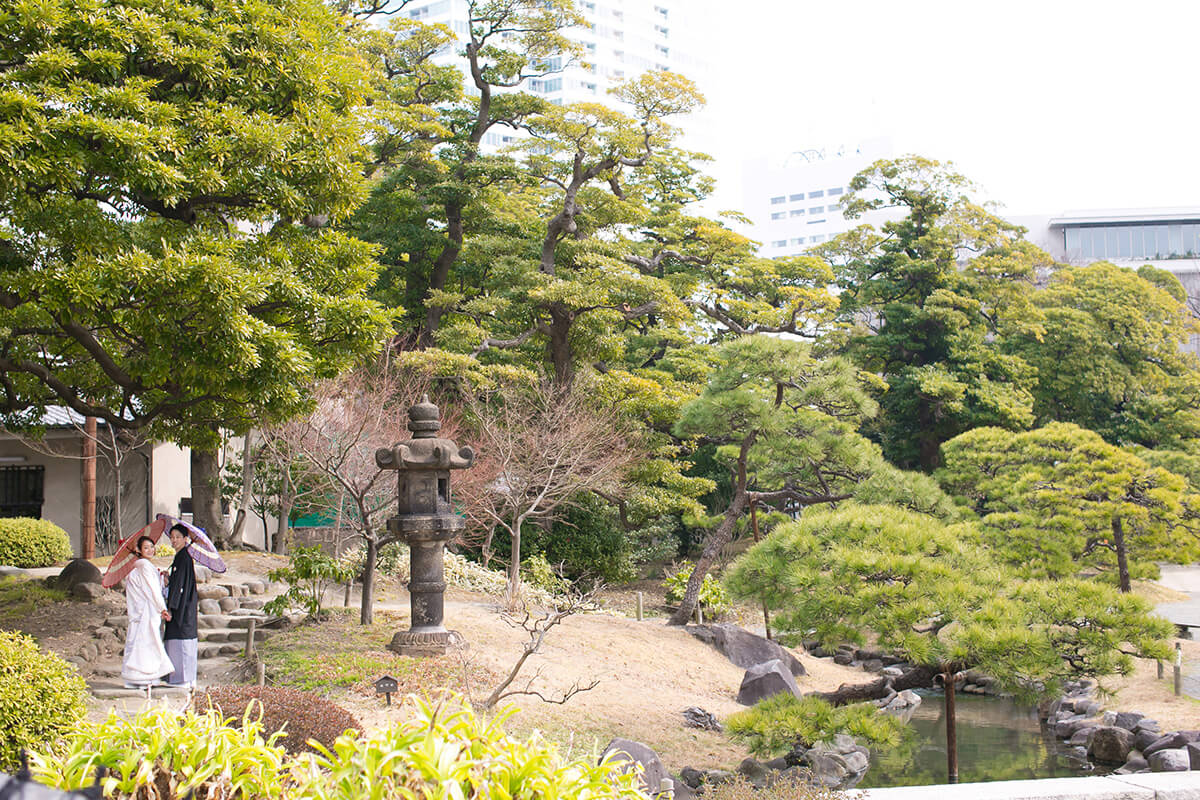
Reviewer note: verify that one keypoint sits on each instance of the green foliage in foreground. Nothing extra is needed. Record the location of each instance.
(772, 726)
(440, 750)
(41, 697)
(29, 543)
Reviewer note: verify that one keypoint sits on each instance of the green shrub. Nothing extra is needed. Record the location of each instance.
(309, 574)
(541, 573)
(713, 597)
(445, 750)
(41, 698)
(739, 788)
(772, 726)
(300, 716)
(167, 755)
(29, 543)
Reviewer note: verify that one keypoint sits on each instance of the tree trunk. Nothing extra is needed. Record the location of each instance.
(206, 496)
(514, 568)
(239, 525)
(915, 678)
(87, 528)
(948, 678)
(367, 614)
(712, 549)
(559, 346)
(285, 510)
(1122, 555)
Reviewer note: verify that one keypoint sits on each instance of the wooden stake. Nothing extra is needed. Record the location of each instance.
(639, 606)
(250, 638)
(1178, 670)
(262, 673)
(754, 523)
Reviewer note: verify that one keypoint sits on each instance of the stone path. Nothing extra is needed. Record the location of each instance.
(1186, 579)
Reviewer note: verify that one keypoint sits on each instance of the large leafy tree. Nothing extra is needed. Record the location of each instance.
(785, 424)
(1108, 356)
(165, 170)
(1058, 499)
(923, 590)
(927, 319)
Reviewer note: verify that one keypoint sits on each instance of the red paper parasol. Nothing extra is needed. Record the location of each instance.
(126, 555)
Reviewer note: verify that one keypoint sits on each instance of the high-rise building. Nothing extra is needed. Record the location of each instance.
(795, 202)
(621, 39)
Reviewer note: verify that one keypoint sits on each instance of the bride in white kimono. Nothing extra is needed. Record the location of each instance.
(146, 658)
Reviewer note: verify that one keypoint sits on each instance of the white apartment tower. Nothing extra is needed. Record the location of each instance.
(621, 39)
(795, 202)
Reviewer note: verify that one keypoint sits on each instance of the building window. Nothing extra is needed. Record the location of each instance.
(835, 191)
(619, 55)
(777, 200)
(545, 86)
(796, 197)
(797, 212)
(778, 215)
(779, 243)
(817, 239)
(662, 49)
(817, 193)
(591, 87)
(661, 29)
(21, 491)
(1140, 242)
(816, 221)
(798, 240)
(816, 209)
(661, 11)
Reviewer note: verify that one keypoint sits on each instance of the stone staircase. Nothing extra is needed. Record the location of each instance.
(225, 615)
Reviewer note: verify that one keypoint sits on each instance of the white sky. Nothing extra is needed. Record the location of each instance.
(1048, 106)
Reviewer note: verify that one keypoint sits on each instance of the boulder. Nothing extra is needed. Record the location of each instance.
(1089, 708)
(1170, 741)
(256, 587)
(1065, 729)
(8, 572)
(1173, 760)
(210, 607)
(744, 648)
(212, 591)
(905, 699)
(203, 573)
(1135, 763)
(766, 680)
(228, 604)
(691, 776)
(77, 571)
(631, 753)
(695, 717)
(1143, 739)
(1081, 735)
(1128, 719)
(1193, 751)
(88, 591)
(839, 764)
(843, 658)
(873, 665)
(1110, 744)
(754, 771)
(1076, 753)
(1146, 725)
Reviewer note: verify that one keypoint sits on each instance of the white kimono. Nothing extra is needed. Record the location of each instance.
(146, 659)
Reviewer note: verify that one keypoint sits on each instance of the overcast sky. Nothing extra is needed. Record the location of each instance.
(1048, 105)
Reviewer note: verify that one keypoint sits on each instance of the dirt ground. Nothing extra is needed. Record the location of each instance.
(647, 672)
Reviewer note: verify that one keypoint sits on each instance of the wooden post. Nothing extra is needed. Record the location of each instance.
(250, 637)
(951, 732)
(754, 523)
(262, 673)
(639, 606)
(1158, 661)
(87, 530)
(1178, 670)
(699, 614)
(346, 600)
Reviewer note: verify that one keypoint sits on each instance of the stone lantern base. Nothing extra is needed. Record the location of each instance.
(423, 644)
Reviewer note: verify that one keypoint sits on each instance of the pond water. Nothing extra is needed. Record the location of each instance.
(997, 741)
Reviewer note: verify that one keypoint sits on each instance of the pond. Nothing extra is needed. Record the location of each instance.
(997, 741)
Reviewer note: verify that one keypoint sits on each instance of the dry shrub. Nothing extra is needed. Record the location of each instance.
(301, 715)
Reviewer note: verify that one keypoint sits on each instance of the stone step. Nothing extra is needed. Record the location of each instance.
(238, 635)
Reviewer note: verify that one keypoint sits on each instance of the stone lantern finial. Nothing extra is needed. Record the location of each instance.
(424, 419)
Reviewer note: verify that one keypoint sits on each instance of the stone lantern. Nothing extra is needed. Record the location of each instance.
(424, 520)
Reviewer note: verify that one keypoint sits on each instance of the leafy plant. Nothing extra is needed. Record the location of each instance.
(774, 725)
(739, 788)
(298, 716)
(19, 597)
(161, 753)
(41, 697)
(309, 574)
(713, 597)
(444, 745)
(30, 543)
(541, 573)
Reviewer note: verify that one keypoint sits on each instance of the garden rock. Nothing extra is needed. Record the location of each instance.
(1081, 735)
(692, 777)
(633, 752)
(873, 665)
(839, 764)
(903, 700)
(695, 717)
(1174, 760)
(1110, 745)
(8, 572)
(1143, 739)
(754, 772)
(210, 607)
(1135, 764)
(843, 658)
(256, 587)
(203, 573)
(1171, 741)
(1128, 719)
(228, 604)
(744, 648)
(212, 591)
(766, 680)
(77, 571)
(88, 591)
(1193, 751)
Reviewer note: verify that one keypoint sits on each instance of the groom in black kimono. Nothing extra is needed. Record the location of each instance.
(183, 601)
